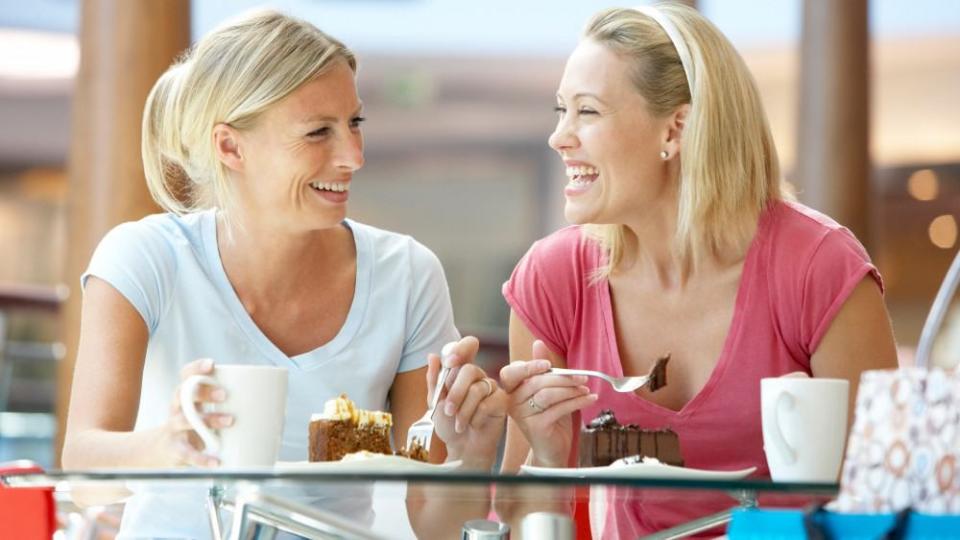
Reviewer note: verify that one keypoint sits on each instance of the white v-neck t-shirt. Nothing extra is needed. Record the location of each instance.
(169, 268)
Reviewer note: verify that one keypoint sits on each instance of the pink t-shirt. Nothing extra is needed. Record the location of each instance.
(799, 271)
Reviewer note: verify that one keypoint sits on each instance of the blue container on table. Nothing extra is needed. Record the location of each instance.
(799, 524)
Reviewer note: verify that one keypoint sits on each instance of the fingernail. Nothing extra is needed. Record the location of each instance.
(212, 462)
(226, 421)
(219, 394)
(447, 349)
(543, 364)
(593, 397)
(207, 363)
(583, 389)
(448, 408)
(580, 379)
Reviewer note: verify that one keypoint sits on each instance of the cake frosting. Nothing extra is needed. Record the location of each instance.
(344, 409)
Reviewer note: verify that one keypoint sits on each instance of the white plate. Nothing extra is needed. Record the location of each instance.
(639, 470)
(375, 463)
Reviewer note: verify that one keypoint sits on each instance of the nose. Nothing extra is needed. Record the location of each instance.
(563, 137)
(349, 153)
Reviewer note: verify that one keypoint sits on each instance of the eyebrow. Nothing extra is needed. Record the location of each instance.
(328, 118)
(579, 95)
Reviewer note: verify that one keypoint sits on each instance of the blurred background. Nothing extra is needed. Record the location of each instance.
(862, 97)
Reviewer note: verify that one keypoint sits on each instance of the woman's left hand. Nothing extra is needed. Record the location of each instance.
(470, 419)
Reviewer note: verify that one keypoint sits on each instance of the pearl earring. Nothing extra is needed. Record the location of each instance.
(664, 154)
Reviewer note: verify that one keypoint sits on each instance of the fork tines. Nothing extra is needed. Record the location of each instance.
(419, 435)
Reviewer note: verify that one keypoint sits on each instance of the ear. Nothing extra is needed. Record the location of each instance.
(673, 132)
(226, 143)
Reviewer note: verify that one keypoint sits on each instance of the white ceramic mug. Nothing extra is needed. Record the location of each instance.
(804, 427)
(257, 399)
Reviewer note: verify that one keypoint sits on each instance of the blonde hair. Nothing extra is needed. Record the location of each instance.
(230, 76)
(728, 162)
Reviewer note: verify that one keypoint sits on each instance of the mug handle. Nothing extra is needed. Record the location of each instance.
(776, 436)
(188, 390)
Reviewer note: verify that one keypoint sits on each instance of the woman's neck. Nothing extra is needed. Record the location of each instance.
(650, 253)
(648, 247)
(269, 266)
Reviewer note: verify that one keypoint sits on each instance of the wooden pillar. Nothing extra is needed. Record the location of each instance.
(833, 159)
(124, 46)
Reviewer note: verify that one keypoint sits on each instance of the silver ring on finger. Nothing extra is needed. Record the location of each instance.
(537, 408)
(490, 387)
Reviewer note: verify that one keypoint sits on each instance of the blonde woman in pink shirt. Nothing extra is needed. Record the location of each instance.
(685, 239)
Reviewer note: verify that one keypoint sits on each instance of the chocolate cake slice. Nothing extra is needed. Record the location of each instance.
(605, 440)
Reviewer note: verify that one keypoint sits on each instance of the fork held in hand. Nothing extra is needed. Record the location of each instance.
(421, 431)
(656, 379)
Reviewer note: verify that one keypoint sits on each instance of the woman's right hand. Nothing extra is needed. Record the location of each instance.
(541, 405)
(181, 444)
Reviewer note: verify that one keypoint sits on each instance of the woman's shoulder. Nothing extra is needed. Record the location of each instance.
(165, 228)
(562, 260)
(144, 259)
(796, 231)
(792, 220)
(389, 246)
(802, 243)
(567, 246)
(158, 244)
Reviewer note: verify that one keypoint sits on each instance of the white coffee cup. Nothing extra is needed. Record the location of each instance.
(257, 400)
(804, 427)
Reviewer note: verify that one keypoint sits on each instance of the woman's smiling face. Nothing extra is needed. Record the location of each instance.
(608, 140)
(300, 157)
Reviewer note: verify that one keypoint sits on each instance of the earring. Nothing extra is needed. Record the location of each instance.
(664, 154)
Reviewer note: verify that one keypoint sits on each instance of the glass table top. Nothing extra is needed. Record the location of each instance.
(282, 476)
(290, 495)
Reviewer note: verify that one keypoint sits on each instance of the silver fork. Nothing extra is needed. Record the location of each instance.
(421, 431)
(657, 378)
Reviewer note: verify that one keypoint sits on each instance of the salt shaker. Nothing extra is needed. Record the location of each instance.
(547, 526)
(483, 529)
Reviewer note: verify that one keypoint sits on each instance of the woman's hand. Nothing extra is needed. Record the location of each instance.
(470, 418)
(181, 445)
(542, 404)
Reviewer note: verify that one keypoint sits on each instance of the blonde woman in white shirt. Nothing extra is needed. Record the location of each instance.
(250, 143)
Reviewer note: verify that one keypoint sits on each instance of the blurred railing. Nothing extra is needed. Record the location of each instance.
(33, 297)
(27, 423)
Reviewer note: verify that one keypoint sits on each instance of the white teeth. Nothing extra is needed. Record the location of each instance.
(577, 183)
(330, 186)
(575, 172)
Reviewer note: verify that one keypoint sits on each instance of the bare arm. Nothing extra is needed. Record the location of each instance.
(106, 392)
(521, 340)
(552, 428)
(859, 338)
(473, 430)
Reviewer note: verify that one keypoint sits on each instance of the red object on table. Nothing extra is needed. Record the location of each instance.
(581, 513)
(26, 513)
